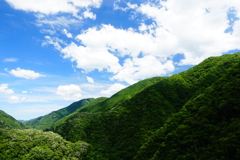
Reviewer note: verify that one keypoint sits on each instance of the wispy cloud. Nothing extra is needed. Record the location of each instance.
(16, 99)
(10, 60)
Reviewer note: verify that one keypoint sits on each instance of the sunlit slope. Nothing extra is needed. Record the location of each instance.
(47, 121)
(119, 132)
(8, 122)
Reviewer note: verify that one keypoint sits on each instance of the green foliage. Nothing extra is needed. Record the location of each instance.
(91, 103)
(45, 122)
(8, 122)
(121, 96)
(33, 144)
(166, 119)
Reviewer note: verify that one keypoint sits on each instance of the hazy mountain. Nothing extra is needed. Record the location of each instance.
(47, 121)
(8, 122)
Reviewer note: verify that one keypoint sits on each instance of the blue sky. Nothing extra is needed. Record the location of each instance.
(53, 53)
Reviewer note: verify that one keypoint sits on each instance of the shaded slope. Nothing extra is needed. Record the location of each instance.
(121, 96)
(92, 103)
(47, 121)
(8, 122)
(208, 126)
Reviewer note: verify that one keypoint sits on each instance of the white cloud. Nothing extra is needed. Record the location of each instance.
(113, 89)
(196, 29)
(48, 31)
(4, 89)
(15, 99)
(54, 6)
(88, 14)
(55, 22)
(69, 92)
(69, 35)
(198, 33)
(24, 92)
(91, 58)
(90, 80)
(103, 45)
(27, 74)
(129, 6)
(55, 41)
(50, 13)
(10, 60)
(141, 68)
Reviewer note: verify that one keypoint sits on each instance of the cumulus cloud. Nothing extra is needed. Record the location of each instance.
(91, 58)
(88, 14)
(103, 46)
(90, 80)
(113, 89)
(10, 60)
(27, 74)
(145, 67)
(16, 99)
(24, 92)
(69, 92)
(4, 89)
(198, 27)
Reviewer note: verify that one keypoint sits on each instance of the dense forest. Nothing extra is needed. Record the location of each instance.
(193, 115)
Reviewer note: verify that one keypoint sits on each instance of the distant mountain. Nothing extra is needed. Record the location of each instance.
(8, 122)
(190, 115)
(48, 120)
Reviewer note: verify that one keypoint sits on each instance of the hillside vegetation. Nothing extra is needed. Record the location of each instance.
(38, 145)
(174, 112)
(8, 122)
(48, 120)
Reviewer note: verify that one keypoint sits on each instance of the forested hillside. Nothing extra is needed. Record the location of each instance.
(193, 115)
(133, 128)
(8, 122)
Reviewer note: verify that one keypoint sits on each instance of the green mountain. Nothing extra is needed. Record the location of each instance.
(103, 104)
(8, 122)
(48, 120)
(190, 115)
(121, 96)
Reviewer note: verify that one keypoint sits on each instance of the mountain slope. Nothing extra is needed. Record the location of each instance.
(121, 96)
(47, 121)
(207, 127)
(8, 122)
(119, 130)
